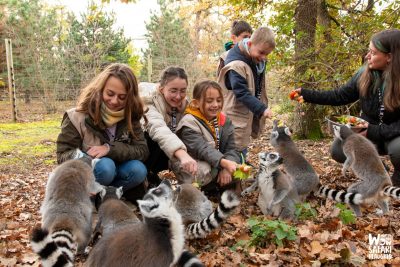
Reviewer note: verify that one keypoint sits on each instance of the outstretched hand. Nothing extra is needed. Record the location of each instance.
(224, 177)
(187, 162)
(228, 165)
(268, 113)
(296, 95)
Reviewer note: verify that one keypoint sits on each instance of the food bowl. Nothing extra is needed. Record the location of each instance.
(356, 123)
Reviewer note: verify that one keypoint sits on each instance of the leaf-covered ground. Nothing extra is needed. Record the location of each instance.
(322, 240)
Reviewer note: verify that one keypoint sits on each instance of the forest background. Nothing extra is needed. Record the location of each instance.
(320, 44)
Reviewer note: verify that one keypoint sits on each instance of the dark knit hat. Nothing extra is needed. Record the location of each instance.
(228, 45)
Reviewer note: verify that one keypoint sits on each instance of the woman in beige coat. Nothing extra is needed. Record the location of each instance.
(165, 109)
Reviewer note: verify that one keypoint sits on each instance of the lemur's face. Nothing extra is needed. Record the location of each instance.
(271, 159)
(336, 131)
(279, 134)
(157, 200)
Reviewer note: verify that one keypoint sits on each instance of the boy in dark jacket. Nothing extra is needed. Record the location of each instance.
(243, 81)
(239, 31)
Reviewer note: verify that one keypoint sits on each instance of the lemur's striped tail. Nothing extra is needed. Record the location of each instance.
(188, 259)
(340, 195)
(229, 201)
(392, 191)
(56, 249)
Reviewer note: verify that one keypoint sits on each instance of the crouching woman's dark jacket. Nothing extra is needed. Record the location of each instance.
(370, 108)
(78, 131)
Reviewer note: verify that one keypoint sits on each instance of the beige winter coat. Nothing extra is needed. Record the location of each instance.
(245, 123)
(159, 118)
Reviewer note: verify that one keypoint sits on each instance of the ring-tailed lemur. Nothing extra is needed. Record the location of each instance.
(229, 201)
(156, 241)
(66, 214)
(392, 191)
(112, 212)
(304, 177)
(363, 158)
(277, 195)
(191, 203)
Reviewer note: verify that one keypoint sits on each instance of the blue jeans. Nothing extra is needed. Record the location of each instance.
(128, 174)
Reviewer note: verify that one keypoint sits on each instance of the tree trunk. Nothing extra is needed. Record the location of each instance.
(306, 117)
(324, 20)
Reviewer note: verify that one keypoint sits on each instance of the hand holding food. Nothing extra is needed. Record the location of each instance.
(296, 95)
(242, 172)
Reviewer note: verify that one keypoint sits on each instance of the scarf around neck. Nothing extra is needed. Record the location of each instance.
(110, 117)
(213, 127)
(259, 66)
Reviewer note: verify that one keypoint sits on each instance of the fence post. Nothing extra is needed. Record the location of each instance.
(149, 66)
(11, 81)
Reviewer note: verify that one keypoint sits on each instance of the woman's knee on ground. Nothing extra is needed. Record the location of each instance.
(105, 171)
(131, 174)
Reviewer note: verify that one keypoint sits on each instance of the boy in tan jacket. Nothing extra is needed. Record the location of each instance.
(243, 81)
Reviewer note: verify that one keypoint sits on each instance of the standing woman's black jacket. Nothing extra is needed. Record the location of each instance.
(349, 93)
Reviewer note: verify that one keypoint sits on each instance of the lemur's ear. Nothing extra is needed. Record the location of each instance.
(119, 192)
(178, 189)
(176, 193)
(274, 134)
(336, 131)
(287, 131)
(102, 193)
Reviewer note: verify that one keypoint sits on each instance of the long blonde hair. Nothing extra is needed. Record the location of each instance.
(387, 41)
(91, 97)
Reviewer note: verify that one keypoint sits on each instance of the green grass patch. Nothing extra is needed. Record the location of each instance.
(28, 142)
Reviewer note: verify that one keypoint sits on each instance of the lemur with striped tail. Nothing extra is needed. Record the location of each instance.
(363, 158)
(66, 214)
(191, 203)
(305, 179)
(112, 212)
(229, 201)
(158, 240)
(392, 191)
(277, 196)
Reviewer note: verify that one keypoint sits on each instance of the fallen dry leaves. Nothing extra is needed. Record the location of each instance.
(323, 240)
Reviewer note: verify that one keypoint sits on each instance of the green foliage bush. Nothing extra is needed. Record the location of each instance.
(304, 211)
(346, 215)
(263, 231)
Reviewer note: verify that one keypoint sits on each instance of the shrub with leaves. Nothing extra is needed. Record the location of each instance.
(304, 211)
(263, 231)
(346, 215)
